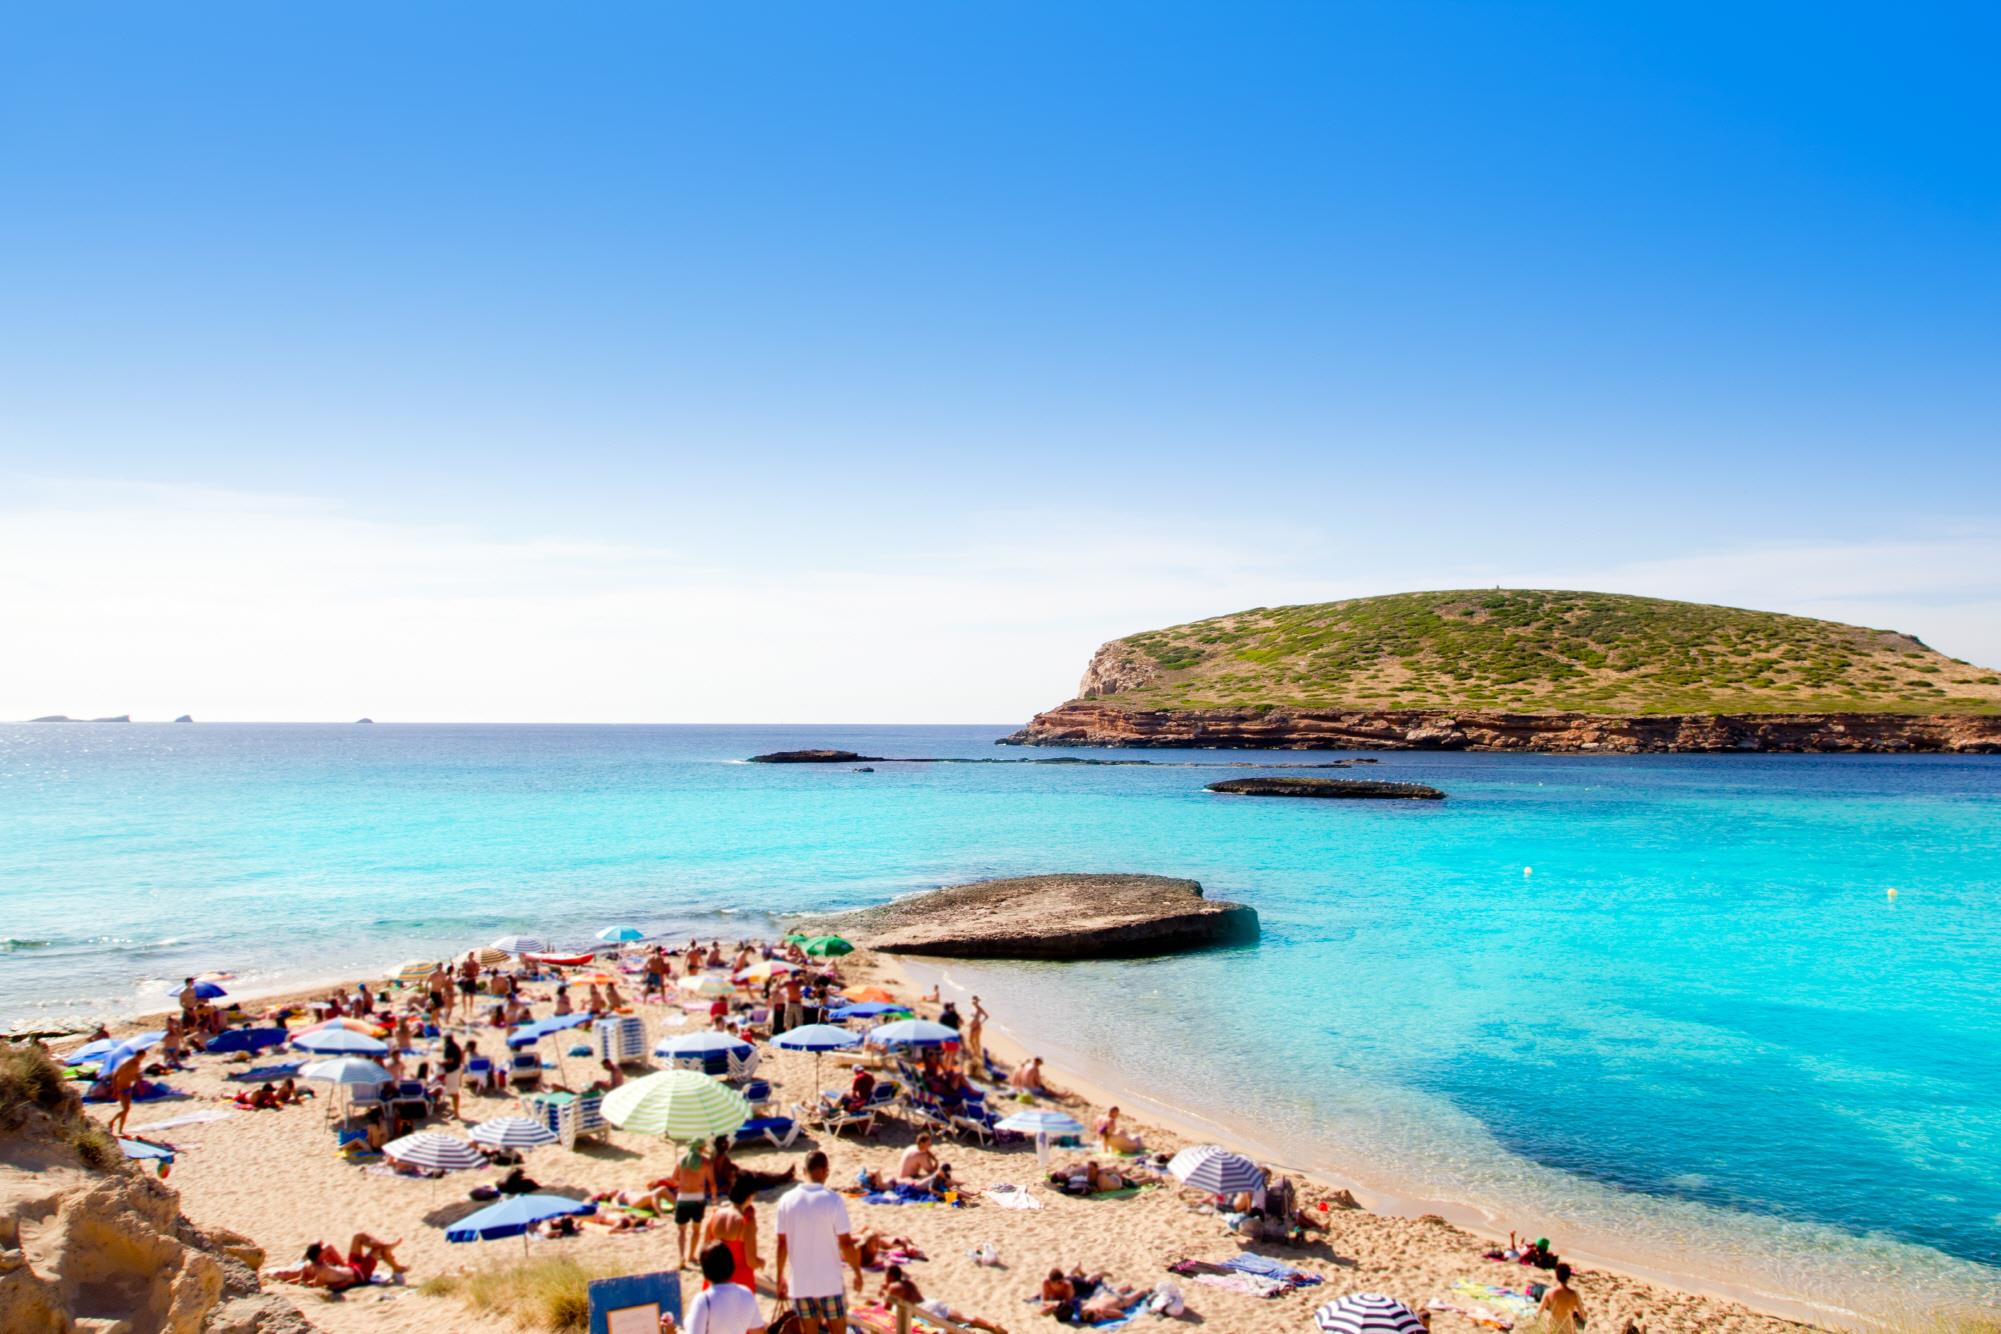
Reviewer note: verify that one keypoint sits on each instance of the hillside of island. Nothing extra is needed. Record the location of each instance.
(1527, 669)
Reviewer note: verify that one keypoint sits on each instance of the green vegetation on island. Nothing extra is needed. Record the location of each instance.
(1535, 651)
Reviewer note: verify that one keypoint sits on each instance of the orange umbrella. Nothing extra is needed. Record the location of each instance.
(360, 1026)
(867, 994)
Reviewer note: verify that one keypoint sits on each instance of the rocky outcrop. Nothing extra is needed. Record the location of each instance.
(359, 721)
(1053, 917)
(185, 718)
(90, 1248)
(811, 757)
(1353, 788)
(1098, 723)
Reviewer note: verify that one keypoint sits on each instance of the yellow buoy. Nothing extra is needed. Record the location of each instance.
(1892, 892)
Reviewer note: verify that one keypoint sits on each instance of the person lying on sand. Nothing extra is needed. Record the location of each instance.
(874, 1246)
(900, 1286)
(289, 1092)
(325, 1266)
(1077, 1298)
(1087, 1178)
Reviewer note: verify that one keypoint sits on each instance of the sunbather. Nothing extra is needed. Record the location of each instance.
(326, 1266)
(875, 1245)
(1114, 1139)
(900, 1286)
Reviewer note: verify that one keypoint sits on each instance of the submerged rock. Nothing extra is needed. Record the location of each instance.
(1053, 917)
(1326, 787)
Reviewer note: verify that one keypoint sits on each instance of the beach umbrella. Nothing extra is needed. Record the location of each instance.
(246, 1039)
(710, 985)
(816, 1038)
(764, 968)
(705, 1043)
(1210, 1168)
(437, 1152)
(513, 1217)
(520, 945)
(361, 1026)
(125, 1050)
(512, 1132)
(796, 938)
(869, 1010)
(829, 946)
(486, 956)
(1367, 1313)
(340, 1042)
(864, 995)
(1044, 1124)
(619, 935)
(343, 1071)
(413, 971)
(205, 989)
(912, 1033)
(679, 1104)
(526, 1035)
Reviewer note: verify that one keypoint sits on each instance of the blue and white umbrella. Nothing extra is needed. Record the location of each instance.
(527, 1035)
(912, 1033)
(868, 1010)
(209, 991)
(621, 935)
(513, 1218)
(93, 1053)
(1367, 1313)
(816, 1037)
(521, 944)
(340, 1042)
(1210, 1168)
(345, 1070)
(1044, 1124)
(704, 1044)
(124, 1052)
(429, 1149)
(512, 1132)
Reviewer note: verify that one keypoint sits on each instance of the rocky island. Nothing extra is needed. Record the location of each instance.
(1052, 917)
(1525, 670)
(812, 757)
(1352, 788)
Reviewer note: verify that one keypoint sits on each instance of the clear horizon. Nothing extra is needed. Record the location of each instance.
(688, 366)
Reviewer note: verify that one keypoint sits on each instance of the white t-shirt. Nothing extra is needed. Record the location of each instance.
(727, 1308)
(813, 1219)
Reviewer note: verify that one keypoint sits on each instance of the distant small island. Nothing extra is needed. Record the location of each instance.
(65, 718)
(1525, 669)
(1326, 787)
(185, 718)
(359, 721)
(811, 757)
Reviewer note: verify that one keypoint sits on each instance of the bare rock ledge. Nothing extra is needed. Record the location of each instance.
(1053, 917)
(1326, 787)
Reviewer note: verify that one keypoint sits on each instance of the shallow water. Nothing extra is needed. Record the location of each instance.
(1700, 1023)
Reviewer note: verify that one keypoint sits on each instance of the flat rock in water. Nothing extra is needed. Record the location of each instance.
(1053, 917)
(811, 757)
(1326, 787)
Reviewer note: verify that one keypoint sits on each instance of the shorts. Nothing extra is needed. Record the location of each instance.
(690, 1211)
(827, 1310)
(467, 986)
(453, 1080)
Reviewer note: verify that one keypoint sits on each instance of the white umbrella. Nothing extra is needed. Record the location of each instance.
(429, 1149)
(520, 944)
(1367, 1313)
(512, 1132)
(343, 1071)
(1215, 1170)
(1044, 1124)
(708, 984)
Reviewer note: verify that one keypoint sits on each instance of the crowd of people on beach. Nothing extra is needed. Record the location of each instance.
(433, 1025)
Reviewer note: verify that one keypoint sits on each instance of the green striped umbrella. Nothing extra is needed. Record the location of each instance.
(683, 1105)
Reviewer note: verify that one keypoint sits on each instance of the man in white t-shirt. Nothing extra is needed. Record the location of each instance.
(723, 1307)
(813, 1233)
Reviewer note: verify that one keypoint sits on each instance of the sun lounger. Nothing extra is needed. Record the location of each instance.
(837, 1119)
(525, 1074)
(777, 1131)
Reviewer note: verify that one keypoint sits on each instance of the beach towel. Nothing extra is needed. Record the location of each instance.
(262, 1073)
(1264, 1266)
(185, 1119)
(1009, 1196)
(1507, 1299)
(1478, 1315)
(1249, 1284)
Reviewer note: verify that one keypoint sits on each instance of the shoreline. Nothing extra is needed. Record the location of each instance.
(1013, 1044)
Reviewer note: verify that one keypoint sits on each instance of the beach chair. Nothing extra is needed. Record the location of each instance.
(975, 1122)
(836, 1120)
(590, 1122)
(525, 1074)
(740, 1068)
(777, 1131)
(757, 1092)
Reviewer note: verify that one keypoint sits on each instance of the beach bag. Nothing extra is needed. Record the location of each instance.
(1166, 1300)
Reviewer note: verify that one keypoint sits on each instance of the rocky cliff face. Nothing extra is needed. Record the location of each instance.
(106, 1250)
(1114, 668)
(1094, 722)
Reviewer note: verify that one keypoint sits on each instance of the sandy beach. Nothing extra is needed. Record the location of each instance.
(273, 1175)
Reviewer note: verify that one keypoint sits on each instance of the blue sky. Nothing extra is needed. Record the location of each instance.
(955, 340)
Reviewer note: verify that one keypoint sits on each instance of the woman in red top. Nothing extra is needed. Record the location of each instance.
(734, 1225)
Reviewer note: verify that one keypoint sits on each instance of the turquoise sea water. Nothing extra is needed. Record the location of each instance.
(1700, 1030)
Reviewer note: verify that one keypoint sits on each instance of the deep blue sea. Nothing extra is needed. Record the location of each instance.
(1656, 1007)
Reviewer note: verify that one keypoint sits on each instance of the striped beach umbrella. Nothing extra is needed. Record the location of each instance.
(708, 984)
(431, 1150)
(512, 1132)
(1367, 1313)
(816, 1037)
(520, 944)
(1210, 1168)
(486, 956)
(361, 1026)
(1045, 1124)
(679, 1104)
(411, 972)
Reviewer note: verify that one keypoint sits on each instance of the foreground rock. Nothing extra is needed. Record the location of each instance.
(88, 1242)
(1326, 787)
(811, 757)
(1053, 917)
(1091, 722)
